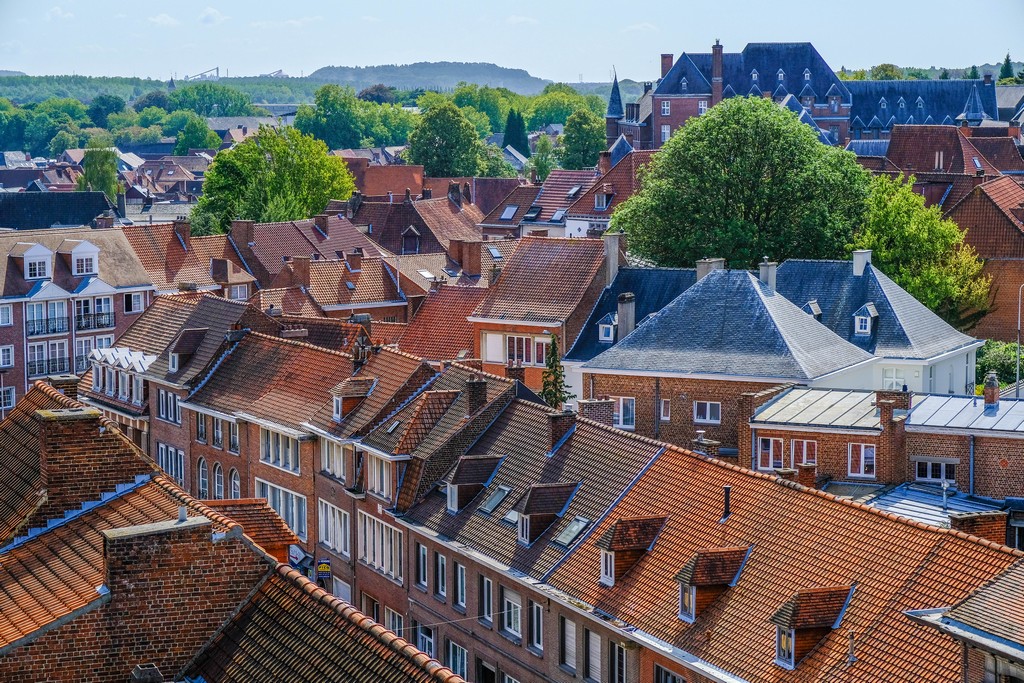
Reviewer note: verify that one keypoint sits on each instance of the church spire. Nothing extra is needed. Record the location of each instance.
(615, 110)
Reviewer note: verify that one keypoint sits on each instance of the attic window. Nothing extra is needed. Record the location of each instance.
(393, 426)
(85, 265)
(782, 75)
(682, 85)
(687, 600)
(573, 191)
(426, 274)
(571, 531)
(36, 269)
(607, 568)
(977, 164)
(863, 325)
(882, 104)
(606, 333)
(172, 362)
(807, 74)
(532, 214)
(350, 286)
(494, 499)
(524, 529)
(558, 216)
(509, 212)
(495, 254)
(601, 201)
(452, 502)
(753, 75)
(784, 638)
(902, 103)
(337, 408)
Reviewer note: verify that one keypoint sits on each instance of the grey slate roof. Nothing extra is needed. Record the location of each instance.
(967, 412)
(793, 104)
(940, 100)
(905, 327)
(924, 503)
(729, 323)
(615, 109)
(36, 210)
(868, 148)
(654, 288)
(835, 408)
(619, 149)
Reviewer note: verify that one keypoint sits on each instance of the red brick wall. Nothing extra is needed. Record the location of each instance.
(162, 431)
(998, 463)
(169, 592)
(833, 452)
(222, 456)
(301, 483)
(682, 109)
(533, 374)
(988, 229)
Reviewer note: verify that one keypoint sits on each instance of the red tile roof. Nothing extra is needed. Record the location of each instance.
(379, 180)
(437, 221)
(286, 301)
(429, 408)
(713, 566)
(913, 149)
(526, 291)
(638, 533)
(333, 283)
(522, 198)
(812, 608)
(257, 519)
(555, 191)
(440, 331)
(801, 539)
(995, 608)
(621, 181)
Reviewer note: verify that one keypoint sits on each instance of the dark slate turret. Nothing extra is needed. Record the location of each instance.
(615, 110)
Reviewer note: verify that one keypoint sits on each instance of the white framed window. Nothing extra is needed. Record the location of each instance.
(172, 362)
(105, 341)
(493, 346)
(200, 428)
(7, 357)
(606, 333)
(337, 404)
(784, 638)
(380, 546)
(134, 302)
(805, 452)
(807, 74)
(239, 292)
(663, 675)
(110, 383)
(218, 433)
(334, 528)
(618, 662)
(233, 437)
(235, 484)
(378, 480)
(893, 379)
(862, 325)
(702, 107)
(457, 659)
(341, 590)
(452, 498)
(666, 132)
(332, 458)
(172, 462)
(624, 412)
(37, 269)
(394, 621)
(601, 201)
(524, 529)
(124, 386)
(6, 318)
(687, 599)
(421, 565)
(97, 377)
(486, 607)
(440, 575)
(203, 479)
(666, 107)
(753, 75)
(425, 639)
(709, 412)
(85, 265)
(511, 612)
(276, 449)
(781, 75)
(7, 398)
(862, 460)
(459, 586)
(592, 656)
(567, 643)
(666, 410)
(536, 639)
(218, 481)
(607, 568)
(934, 470)
(290, 505)
(770, 454)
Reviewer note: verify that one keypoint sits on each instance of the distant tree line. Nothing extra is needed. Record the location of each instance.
(1007, 72)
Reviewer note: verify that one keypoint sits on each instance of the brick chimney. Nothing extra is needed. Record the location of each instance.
(471, 258)
(987, 79)
(991, 391)
(183, 229)
(627, 315)
(65, 384)
(241, 232)
(427, 193)
(706, 265)
(516, 372)
(300, 271)
(559, 424)
(455, 250)
(604, 162)
(354, 202)
(104, 221)
(666, 64)
(355, 259)
(787, 473)
(807, 474)
(611, 254)
(320, 221)
(476, 394)
(716, 73)
(597, 409)
(455, 194)
(990, 525)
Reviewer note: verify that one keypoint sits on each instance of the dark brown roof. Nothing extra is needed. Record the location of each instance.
(522, 197)
(437, 221)
(1003, 152)
(354, 387)
(547, 498)
(189, 340)
(913, 149)
(287, 300)
(813, 608)
(996, 608)
(638, 533)
(713, 566)
(475, 469)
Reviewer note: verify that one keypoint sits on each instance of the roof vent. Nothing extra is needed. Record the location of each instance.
(726, 502)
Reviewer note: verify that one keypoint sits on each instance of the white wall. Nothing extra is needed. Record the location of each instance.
(574, 378)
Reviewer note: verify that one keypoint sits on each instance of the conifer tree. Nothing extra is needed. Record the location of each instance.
(554, 390)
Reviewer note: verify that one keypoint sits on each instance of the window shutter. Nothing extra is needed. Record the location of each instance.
(569, 642)
(494, 347)
(593, 656)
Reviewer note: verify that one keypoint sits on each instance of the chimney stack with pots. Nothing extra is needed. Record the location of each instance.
(991, 391)
(706, 265)
(767, 275)
(627, 315)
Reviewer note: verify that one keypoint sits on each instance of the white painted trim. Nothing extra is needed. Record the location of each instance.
(273, 426)
(375, 304)
(185, 405)
(509, 321)
(390, 457)
(815, 429)
(990, 433)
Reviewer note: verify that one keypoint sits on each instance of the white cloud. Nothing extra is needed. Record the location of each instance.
(165, 20)
(286, 23)
(643, 27)
(517, 19)
(58, 14)
(212, 16)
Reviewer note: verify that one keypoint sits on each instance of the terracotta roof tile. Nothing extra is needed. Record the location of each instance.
(556, 191)
(257, 519)
(522, 198)
(172, 260)
(812, 608)
(638, 533)
(475, 469)
(430, 408)
(800, 538)
(621, 181)
(437, 221)
(328, 333)
(287, 301)
(547, 498)
(713, 566)
(914, 149)
(995, 608)
(1002, 152)
(440, 331)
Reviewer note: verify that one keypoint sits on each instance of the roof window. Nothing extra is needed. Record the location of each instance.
(495, 254)
(573, 191)
(533, 213)
(494, 499)
(560, 214)
(572, 531)
(509, 212)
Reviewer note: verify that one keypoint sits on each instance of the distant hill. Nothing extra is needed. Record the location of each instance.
(431, 76)
(5, 72)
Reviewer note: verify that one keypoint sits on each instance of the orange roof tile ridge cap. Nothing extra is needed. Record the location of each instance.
(348, 612)
(175, 491)
(480, 373)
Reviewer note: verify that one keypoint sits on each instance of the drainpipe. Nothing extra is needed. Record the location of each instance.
(657, 406)
(971, 462)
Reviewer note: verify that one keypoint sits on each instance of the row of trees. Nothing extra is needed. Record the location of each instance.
(891, 72)
(748, 180)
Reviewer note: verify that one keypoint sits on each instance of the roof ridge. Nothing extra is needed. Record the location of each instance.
(175, 491)
(295, 342)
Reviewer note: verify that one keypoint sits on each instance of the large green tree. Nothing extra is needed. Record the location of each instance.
(211, 99)
(515, 133)
(886, 72)
(154, 98)
(744, 181)
(445, 143)
(334, 118)
(103, 106)
(583, 140)
(196, 135)
(543, 160)
(493, 165)
(99, 168)
(275, 175)
(921, 252)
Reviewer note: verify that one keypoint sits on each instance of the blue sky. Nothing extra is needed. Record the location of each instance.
(559, 40)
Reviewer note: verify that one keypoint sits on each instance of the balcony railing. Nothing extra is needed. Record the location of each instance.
(94, 321)
(40, 326)
(53, 366)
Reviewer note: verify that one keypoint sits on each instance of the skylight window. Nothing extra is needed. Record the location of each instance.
(494, 499)
(558, 215)
(509, 212)
(573, 191)
(495, 254)
(977, 164)
(350, 285)
(424, 273)
(532, 214)
(393, 426)
(572, 531)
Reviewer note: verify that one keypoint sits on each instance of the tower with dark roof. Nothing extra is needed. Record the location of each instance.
(614, 113)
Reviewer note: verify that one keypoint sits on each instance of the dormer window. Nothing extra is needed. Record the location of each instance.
(524, 529)
(863, 325)
(337, 408)
(784, 638)
(607, 568)
(37, 269)
(600, 201)
(882, 104)
(687, 599)
(902, 103)
(807, 74)
(85, 265)
(172, 362)
(606, 333)
(452, 498)
(753, 75)
(782, 75)
(682, 85)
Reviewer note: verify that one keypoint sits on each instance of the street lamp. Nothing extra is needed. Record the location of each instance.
(1016, 386)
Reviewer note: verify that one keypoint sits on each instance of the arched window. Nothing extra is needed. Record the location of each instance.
(218, 481)
(204, 480)
(235, 483)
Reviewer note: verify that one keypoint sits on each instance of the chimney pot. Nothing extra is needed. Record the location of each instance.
(626, 315)
(861, 258)
(991, 390)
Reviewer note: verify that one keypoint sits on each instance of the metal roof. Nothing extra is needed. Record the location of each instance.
(924, 503)
(967, 412)
(837, 408)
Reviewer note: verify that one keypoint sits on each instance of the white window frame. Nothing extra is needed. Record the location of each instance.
(607, 568)
(663, 675)
(459, 586)
(666, 107)
(85, 265)
(666, 132)
(708, 408)
(606, 332)
(218, 481)
(341, 589)
(381, 546)
(7, 398)
(618, 662)
(7, 356)
(421, 565)
(335, 528)
(511, 612)
(425, 639)
(278, 450)
(172, 462)
(592, 660)
(862, 473)
(32, 268)
(567, 643)
(505, 678)
(702, 107)
(234, 484)
(202, 479)
(785, 640)
(458, 658)
(6, 315)
(619, 412)
(440, 575)
(862, 325)
(336, 404)
(486, 606)
(776, 453)
(332, 458)
(394, 621)
(799, 455)
(291, 506)
(238, 292)
(600, 201)
(666, 410)
(452, 498)
(524, 529)
(134, 303)
(233, 443)
(929, 465)
(536, 626)
(218, 433)
(893, 379)
(378, 476)
(687, 602)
